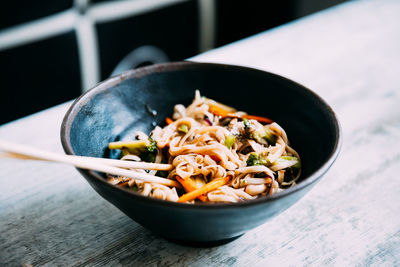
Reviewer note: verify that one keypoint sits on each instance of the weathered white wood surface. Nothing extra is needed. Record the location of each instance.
(350, 55)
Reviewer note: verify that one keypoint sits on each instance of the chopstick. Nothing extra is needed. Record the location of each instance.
(110, 166)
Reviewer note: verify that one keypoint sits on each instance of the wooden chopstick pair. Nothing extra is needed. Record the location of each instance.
(110, 166)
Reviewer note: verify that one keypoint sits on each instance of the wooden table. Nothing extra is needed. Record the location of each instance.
(350, 55)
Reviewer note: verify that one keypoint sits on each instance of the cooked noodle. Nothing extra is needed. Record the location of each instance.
(217, 152)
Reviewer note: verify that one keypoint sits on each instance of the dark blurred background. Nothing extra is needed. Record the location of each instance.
(52, 51)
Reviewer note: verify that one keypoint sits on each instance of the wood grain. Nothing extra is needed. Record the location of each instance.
(350, 55)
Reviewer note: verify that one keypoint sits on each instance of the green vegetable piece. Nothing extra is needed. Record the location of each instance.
(298, 163)
(183, 128)
(230, 140)
(134, 147)
(152, 144)
(270, 137)
(253, 159)
(256, 136)
(247, 124)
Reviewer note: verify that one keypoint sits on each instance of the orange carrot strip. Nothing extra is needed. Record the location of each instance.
(258, 118)
(168, 120)
(214, 104)
(205, 189)
(203, 198)
(223, 113)
(189, 185)
(219, 111)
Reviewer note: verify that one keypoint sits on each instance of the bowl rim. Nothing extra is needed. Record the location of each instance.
(176, 66)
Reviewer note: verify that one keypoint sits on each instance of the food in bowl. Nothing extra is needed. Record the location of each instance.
(216, 154)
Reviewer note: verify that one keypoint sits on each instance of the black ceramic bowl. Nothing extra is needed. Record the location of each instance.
(120, 105)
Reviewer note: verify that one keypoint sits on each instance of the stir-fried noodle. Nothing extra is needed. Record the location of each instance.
(217, 154)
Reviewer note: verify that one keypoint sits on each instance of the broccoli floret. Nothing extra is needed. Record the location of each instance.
(151, 153)
(252, 160)
(255, 159)
(152, 144)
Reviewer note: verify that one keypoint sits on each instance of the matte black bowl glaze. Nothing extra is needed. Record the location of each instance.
(117, 107)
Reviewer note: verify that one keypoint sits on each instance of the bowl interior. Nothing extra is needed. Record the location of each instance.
(120, 106)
